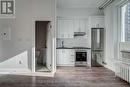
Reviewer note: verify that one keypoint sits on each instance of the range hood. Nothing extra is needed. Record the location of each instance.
(79, 34)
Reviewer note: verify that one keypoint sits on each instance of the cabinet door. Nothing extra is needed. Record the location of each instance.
(92, 22)
(61, 55)
(62, 58)
(60, 30)
(58, 57)
(68, 28)
(65, 57)
(68, 57)
(76, 25)
(65, 28)
(97, 22)
(71, 58)
(97, 58)
(82, 24)
(100, 22)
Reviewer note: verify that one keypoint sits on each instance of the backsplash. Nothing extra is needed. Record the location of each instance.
(73, 42)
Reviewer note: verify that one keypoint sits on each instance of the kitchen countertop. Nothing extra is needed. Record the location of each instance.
(97, 50)
(73, 48)
(125, 51)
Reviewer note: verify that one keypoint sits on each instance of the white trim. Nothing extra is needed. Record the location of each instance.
(35, 74)
(25, 72)
(33, 50)
(118, 6)
(121, 2)
(119, 23)
(33, 59)
(118, 29)
(55, 35)
(14, 70)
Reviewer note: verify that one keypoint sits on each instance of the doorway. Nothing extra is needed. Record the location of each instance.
(42, 46)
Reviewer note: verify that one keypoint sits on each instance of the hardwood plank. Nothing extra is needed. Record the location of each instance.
(67, 77)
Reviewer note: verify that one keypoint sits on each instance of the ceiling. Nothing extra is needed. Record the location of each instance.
(79, 3)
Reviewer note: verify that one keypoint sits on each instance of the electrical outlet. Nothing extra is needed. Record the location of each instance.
(6, 34)
(104, 63)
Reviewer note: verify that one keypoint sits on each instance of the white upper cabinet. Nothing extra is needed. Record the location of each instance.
(65, 28)
(80, 25)
(59, 29)
(97, 22)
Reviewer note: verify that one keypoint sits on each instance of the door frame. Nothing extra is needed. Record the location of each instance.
(53, 44)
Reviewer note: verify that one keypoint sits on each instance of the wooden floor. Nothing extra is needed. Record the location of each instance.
(67, 77)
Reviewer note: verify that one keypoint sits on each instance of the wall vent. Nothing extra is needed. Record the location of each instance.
(105, 4)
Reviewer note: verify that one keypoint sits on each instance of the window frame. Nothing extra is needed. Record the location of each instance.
(120, 21)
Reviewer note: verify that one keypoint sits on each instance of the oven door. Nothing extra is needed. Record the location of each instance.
(81, 56)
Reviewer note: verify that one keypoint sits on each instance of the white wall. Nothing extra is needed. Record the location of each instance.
(22, 43)
(111, 37)
(81, 12)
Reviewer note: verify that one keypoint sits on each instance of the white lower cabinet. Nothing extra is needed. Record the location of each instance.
(65, 57)
(97, 58)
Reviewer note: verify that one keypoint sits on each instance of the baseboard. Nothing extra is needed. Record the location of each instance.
(14, 70)
(109, 67)
(25, 72)
(49, 74)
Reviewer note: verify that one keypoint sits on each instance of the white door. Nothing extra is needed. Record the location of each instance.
(49, 47)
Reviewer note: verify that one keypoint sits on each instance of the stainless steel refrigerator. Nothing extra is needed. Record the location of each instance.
(97, 46)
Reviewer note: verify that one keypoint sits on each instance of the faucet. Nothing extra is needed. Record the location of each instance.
(62, 43)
